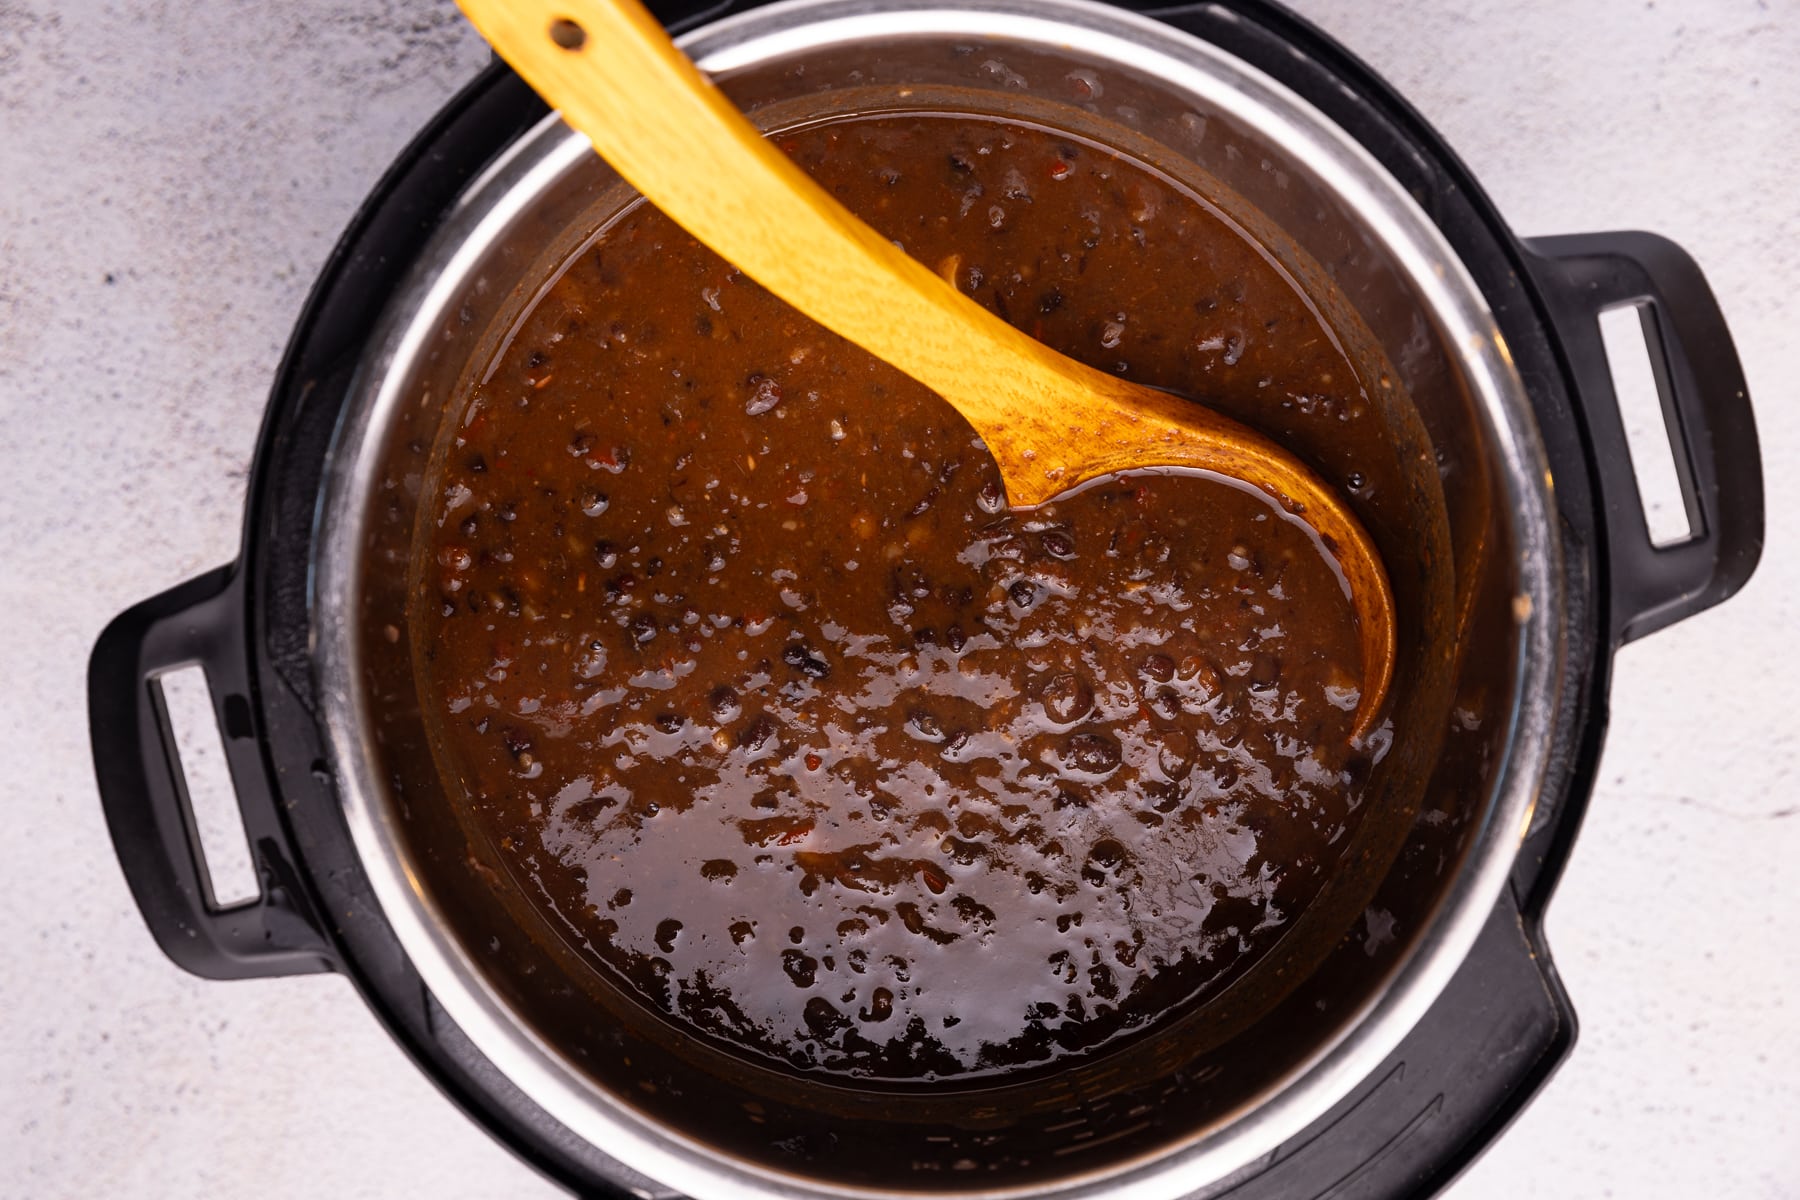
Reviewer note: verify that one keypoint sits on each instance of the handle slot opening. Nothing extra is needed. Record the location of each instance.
(1636, 360)
(202, 774)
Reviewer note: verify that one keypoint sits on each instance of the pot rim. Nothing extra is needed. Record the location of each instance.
(1391, 216)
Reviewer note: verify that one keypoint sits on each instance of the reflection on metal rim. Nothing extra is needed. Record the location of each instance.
(1106, 35)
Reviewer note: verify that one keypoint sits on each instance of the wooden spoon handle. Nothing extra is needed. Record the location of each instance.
(671, 134)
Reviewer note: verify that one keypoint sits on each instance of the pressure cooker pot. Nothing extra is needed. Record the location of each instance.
(1410, 1003)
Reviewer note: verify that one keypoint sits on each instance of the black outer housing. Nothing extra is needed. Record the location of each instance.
(1484, 1049)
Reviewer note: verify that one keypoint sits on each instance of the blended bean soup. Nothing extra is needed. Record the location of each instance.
(795, 731)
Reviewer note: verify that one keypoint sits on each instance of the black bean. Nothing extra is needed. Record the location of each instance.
(1091, 753)
(972, 910)
(924, 726)
(754, 735)
(1200, 675)
(955, 744)
(1108, 855)
(724, 702)
(1159, 667)
(1174, 752)
(963, 852)
(1058, 544)
(800, 966)
(1067, 698)
(1163, 797)
(824, 1020)
(805, 660)
(1023, 593)
(881, 1006)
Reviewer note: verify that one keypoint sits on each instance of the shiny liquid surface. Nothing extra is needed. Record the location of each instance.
(798, 733)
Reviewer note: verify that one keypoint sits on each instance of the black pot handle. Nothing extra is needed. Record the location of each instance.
(1705, 405)
(145, 795)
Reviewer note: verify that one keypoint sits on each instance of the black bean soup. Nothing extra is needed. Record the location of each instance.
(796, 731)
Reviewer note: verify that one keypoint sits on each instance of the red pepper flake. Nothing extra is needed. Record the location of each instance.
(1059, 169)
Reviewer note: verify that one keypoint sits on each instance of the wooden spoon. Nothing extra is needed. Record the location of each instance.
(1050, 422)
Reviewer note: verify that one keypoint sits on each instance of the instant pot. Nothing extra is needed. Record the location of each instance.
(1425, 1023)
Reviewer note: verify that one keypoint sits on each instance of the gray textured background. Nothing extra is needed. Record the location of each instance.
(171, 178)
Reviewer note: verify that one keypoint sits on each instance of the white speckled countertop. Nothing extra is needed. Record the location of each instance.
(172, 177)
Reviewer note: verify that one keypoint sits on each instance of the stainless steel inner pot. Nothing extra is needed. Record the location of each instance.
(1177, 1116)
